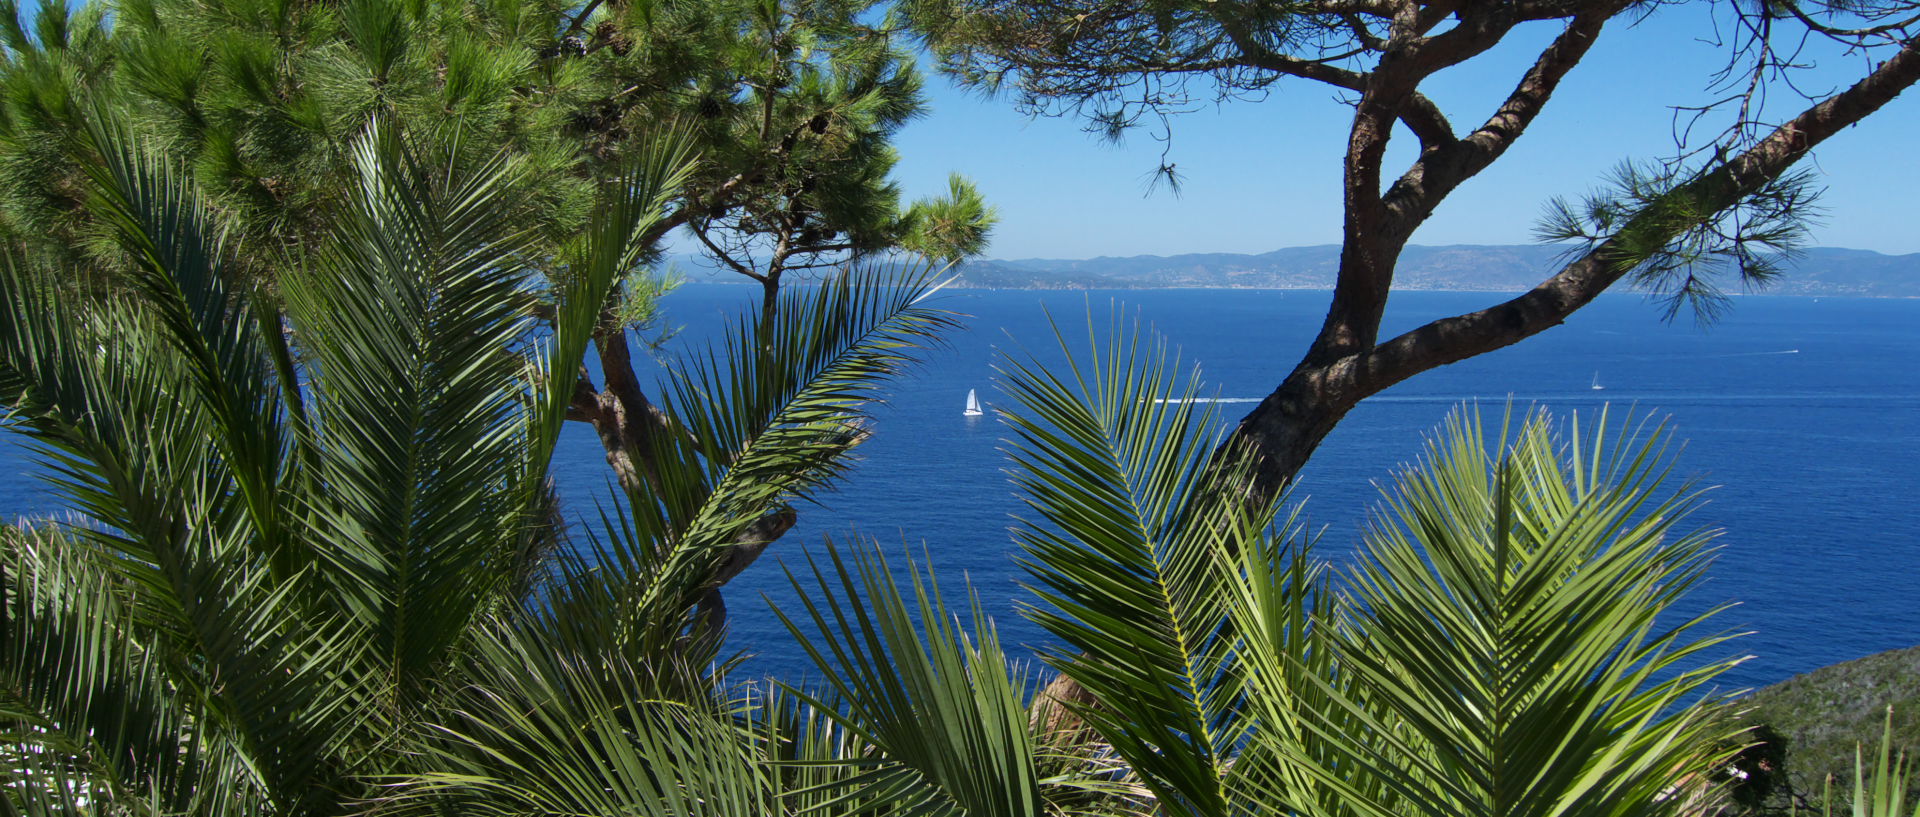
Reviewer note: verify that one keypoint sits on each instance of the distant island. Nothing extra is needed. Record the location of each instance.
(1493, 268)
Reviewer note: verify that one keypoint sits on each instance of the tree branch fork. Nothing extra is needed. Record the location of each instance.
(1338, 373)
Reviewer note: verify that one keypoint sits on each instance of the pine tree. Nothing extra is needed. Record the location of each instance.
(789, 107)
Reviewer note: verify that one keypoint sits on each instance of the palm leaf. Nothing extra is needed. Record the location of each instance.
(88, 712)
(117, 396)
(1892, 775)
(821, 768)
(633, 203)
(546, 730)
(1506, 653)
(406, 326)
(1114, 460)
(1281, 608)
(765, 418)
(227, 345)
(918, 689)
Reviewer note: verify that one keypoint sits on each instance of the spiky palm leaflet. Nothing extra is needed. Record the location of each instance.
(296, 586)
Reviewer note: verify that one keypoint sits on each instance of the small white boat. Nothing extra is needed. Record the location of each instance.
(973, 405)
(1596, 382)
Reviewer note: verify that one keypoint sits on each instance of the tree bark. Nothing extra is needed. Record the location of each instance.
(710, 614)
(1341, 370)
(627, 423)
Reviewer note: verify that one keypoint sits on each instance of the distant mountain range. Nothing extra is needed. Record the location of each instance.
(1820, 271)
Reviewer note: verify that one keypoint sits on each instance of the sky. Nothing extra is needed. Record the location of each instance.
(1260, 176)
(1264, 175)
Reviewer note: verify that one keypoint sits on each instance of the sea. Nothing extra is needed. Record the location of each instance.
(1802, 415)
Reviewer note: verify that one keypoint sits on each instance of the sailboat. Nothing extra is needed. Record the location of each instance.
(1596, 382)
(973, 405)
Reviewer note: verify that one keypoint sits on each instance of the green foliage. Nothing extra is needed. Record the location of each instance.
(1677, 246)
(952, 228)
(1503, 649)
(1892, 781)
(949, 715)
(1126, 555)
(790, 109)
(766, 417)
(1817, 719)
(316, 565)
(546, 728)
(311, 554)
(1497, 648)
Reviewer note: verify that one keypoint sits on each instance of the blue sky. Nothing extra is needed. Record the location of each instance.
(1265, 175)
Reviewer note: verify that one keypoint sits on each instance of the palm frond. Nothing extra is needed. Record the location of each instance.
(1512, 646)
(1892, 775)
(633, 204)
(88, 712)
(118, 396)
(1282, 610)
(179, 274)
(406, 326)
(766, 418)
(1114, 460)
(546, 730)
(908, 681)
(821, 768)
(42, 350)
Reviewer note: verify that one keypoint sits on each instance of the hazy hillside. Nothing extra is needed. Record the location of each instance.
(1822, 271)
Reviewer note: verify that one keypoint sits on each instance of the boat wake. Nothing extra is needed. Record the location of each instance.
(1757, 354)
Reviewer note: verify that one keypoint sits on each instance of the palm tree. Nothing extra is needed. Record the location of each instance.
(312, 527)
(1507, 640)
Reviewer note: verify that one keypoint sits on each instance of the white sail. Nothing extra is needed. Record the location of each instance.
(1596, 382)
(973, 405)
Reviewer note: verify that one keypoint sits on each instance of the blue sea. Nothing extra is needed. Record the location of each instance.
(1803, 413)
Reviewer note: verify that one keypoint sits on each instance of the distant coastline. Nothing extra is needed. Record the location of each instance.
(731, 279)
(1820, 271)
(1498, 269)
